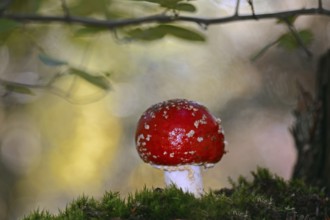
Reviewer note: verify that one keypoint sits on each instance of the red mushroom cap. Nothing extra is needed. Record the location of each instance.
(179, 132)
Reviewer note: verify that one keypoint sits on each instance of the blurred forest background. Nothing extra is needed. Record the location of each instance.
(72, 138)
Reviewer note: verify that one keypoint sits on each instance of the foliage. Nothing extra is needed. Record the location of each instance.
(8, 25)
(175, 5)
(290, 40)
(267, 196)
(151, 20)
(160, 31)
(13, 28)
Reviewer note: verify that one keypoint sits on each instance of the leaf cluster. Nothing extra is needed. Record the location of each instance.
(291, 40)
(11, 28)
(175, 5)
(265, 197)
(160, 31)
(148, 34)
(104, 8)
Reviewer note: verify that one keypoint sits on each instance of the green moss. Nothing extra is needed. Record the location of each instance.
(266, 196)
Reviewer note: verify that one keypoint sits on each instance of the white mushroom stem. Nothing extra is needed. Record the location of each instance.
(186, 177)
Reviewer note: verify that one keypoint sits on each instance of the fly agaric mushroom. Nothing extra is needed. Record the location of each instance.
(178, 136)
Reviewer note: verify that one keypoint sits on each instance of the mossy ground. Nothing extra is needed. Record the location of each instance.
(266, 196)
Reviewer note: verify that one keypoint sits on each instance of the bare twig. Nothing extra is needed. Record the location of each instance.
(161, 18)
(237, 8)
(320, 4)
(66, 95)
(16, 84)
(252, 8)
(65, 9)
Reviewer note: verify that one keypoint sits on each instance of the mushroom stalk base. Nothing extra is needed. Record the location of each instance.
(186, 177)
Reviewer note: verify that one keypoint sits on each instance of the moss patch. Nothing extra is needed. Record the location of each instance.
(266, 196)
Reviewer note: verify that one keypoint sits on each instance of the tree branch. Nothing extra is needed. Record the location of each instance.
(153, 19)
(161, 18)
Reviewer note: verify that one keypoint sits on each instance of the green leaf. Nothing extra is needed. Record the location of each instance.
(84, 8)
(99, 81)
(149, 34)
(288, 41)
(290, 19)
(185, 7)
(158, 32)
(168, 3)
(37, 5)
(19, 89)
(152, 1)
(87, 31)
(182, 32)
(49, 61)
(25, 7)
(7, 25)
(306, 36)
(178, 5)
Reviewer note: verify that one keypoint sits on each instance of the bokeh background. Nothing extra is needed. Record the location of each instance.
(54, 149)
